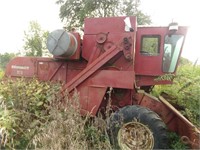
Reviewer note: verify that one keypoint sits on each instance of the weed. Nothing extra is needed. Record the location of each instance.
(32, 116)
(175, 142)
(185, 92)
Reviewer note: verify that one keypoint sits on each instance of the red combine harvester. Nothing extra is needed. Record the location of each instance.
(116, 53)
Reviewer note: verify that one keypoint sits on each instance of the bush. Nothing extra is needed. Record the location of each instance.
(64, 128)
(24, 109)
(33, 116)
(175, 142)
(184, 92)
(1, 74)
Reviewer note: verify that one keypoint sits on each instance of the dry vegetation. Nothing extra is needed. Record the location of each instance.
(32, 116)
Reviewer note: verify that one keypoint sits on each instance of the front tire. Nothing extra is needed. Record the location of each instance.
(136, 127)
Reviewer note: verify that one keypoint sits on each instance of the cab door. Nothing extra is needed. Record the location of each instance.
(158, 50)
(149, 50)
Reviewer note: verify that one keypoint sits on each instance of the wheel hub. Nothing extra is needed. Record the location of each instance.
(135, 135)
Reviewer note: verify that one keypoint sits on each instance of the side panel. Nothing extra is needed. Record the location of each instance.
(93, 89)
(45, 69)
(21, 67)
(102, 33)
(114, 79)
(107, 25)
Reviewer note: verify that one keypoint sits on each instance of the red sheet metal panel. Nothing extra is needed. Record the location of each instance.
(89, 70)
(108, 24)
(21, 67)
(113, 78)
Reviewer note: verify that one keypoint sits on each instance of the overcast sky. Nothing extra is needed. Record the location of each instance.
(185, 12)
(15, 16)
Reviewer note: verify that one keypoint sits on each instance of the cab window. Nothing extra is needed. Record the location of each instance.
(172, 48)
(150, 45)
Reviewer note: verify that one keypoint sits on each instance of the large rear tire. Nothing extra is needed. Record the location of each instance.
(136, 127)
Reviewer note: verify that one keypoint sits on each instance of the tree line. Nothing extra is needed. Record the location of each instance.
(73, 13)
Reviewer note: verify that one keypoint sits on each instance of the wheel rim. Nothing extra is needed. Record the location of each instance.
(135, 135)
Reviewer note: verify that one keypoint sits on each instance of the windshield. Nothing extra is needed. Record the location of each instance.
(172, 48)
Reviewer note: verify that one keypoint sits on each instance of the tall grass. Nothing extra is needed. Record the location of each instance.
(32, 116)
(184, 92)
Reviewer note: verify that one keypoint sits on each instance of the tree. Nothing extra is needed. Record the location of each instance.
(130, 8)
(35, 40)
(5, 58)
(73, 12)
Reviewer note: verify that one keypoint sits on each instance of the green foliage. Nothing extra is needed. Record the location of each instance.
(175, 142)
(96, 134)
(185, 91)
(150, 45)
(130, 8)
(165, 77)
(33, 116)
(35, 40)
(64, 128)
(24, 108)
(1, 74)
(73, 12)
(5, 58)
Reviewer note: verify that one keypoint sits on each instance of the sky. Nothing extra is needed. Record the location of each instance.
(185, 12)
(15, 16)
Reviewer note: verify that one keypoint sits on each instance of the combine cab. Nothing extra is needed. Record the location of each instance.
(116, 53)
